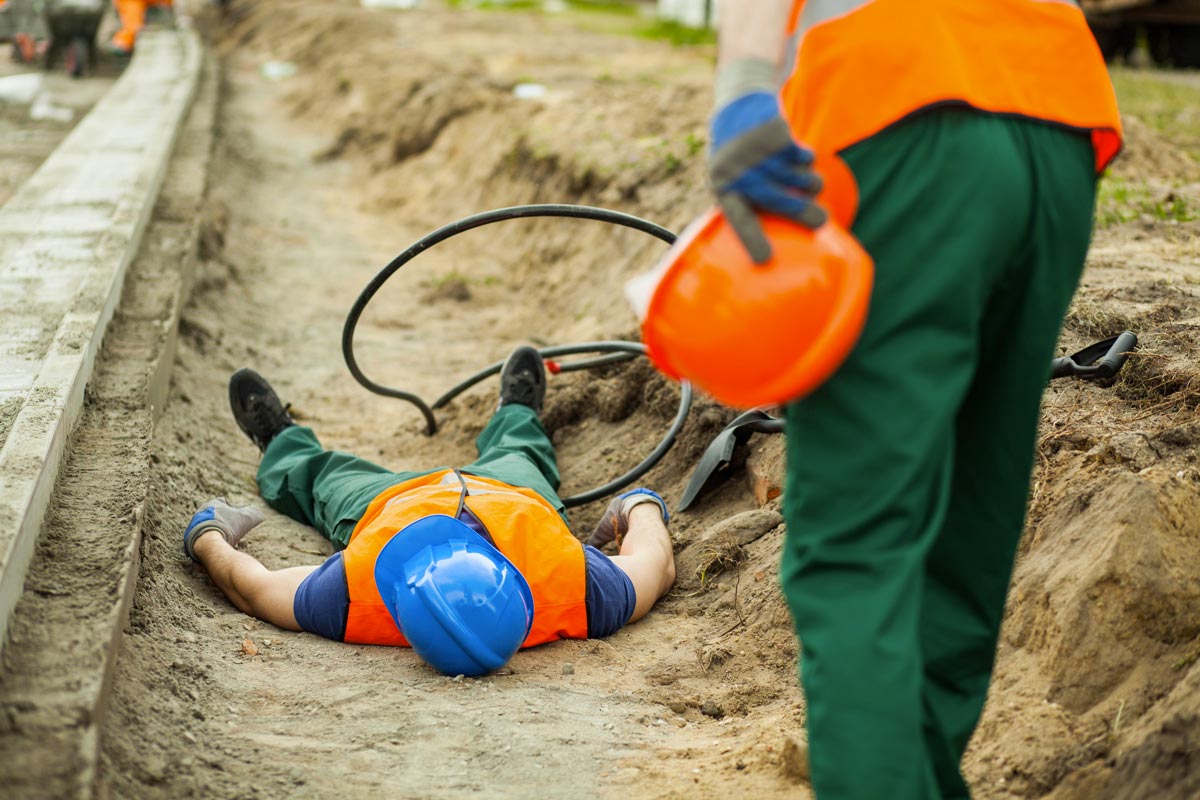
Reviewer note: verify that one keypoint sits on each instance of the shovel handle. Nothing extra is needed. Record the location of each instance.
(1096, 361)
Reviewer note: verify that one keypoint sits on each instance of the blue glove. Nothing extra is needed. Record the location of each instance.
(231, 521)
(755, 164)
(615, 523)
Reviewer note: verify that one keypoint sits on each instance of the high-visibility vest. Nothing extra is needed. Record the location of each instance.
(520, 524)
(863, 65)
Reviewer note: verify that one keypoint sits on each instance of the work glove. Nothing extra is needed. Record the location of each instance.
(615, 523)
(755, 164)
(232, 521)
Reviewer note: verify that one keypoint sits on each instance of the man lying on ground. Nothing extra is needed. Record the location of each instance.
(464, 565)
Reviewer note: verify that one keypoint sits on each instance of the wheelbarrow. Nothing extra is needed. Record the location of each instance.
(72, 26)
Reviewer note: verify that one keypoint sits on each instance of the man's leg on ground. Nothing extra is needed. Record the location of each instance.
(870, 454)
(515, 448)
(323, 488)
(970, 564)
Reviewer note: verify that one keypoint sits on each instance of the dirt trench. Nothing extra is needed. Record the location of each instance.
(208, 702)
(397, 123)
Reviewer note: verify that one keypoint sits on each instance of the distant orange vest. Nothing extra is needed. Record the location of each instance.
(522, 525)
(881, 61)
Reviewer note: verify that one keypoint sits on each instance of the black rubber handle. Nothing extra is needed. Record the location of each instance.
(1096, 361)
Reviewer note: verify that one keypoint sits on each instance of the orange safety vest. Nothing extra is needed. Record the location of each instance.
(862, 65)
(521, 524)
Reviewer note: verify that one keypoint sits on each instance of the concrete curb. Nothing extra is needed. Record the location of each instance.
(65, 634)
(67, 238)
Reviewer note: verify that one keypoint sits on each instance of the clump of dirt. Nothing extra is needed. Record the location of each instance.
(1149, 155)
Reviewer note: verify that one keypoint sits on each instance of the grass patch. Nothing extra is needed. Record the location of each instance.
(1119, 201)
(676, 34)
(619, 17)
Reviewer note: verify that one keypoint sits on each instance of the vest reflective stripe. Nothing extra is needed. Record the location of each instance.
(861, 66)
(522, 526)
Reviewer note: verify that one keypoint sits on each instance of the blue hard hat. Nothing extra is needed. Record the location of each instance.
(462, 605)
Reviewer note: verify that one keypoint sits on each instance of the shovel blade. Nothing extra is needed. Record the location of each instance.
(719, 453)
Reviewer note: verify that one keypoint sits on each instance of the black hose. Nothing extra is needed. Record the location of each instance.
(616, 351)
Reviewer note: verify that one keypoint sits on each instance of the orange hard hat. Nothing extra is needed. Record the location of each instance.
(750, 334)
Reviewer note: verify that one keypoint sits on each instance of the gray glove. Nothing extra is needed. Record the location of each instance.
(233, 522)
(615, 523)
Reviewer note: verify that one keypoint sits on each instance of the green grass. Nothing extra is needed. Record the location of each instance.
(676, 34)
(1119, 201)
(621, 17)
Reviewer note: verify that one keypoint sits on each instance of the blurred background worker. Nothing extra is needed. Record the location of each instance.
(974, 133)
(464, 565)
(134, 15)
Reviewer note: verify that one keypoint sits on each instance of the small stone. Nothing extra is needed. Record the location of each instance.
(186, 636)
(267, 642)
(189, 736)
(711, 709)
(680, 723)
(568, 669)
(764, 475)
(794, 759)
(458, 678)
(248, 648)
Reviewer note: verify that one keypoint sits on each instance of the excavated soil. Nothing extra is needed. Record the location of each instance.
(396, 123)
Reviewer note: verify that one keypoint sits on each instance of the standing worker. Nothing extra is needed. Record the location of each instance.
(135, 15)
(974, 133)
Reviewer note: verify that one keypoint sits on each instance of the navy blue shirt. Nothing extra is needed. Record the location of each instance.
(323, 599)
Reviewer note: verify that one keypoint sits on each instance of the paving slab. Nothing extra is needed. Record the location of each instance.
(67, 237)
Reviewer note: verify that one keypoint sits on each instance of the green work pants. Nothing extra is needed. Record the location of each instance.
(331, 490)
(908, 472)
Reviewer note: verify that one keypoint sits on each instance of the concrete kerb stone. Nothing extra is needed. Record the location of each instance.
(56, 714)
(111, 167)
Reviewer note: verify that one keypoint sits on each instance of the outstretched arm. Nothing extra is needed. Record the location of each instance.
(254, 589)
(646, 557)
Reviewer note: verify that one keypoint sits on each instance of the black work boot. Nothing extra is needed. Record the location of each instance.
(256, 407)
(523, 379)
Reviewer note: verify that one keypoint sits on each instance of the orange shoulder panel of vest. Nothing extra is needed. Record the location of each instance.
(860, 72)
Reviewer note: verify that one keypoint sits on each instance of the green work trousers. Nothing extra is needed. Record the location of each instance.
(908, 472)
(331, 490)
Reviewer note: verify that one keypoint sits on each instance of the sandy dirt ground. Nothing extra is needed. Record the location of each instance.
(26, 139)
(397, 123)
